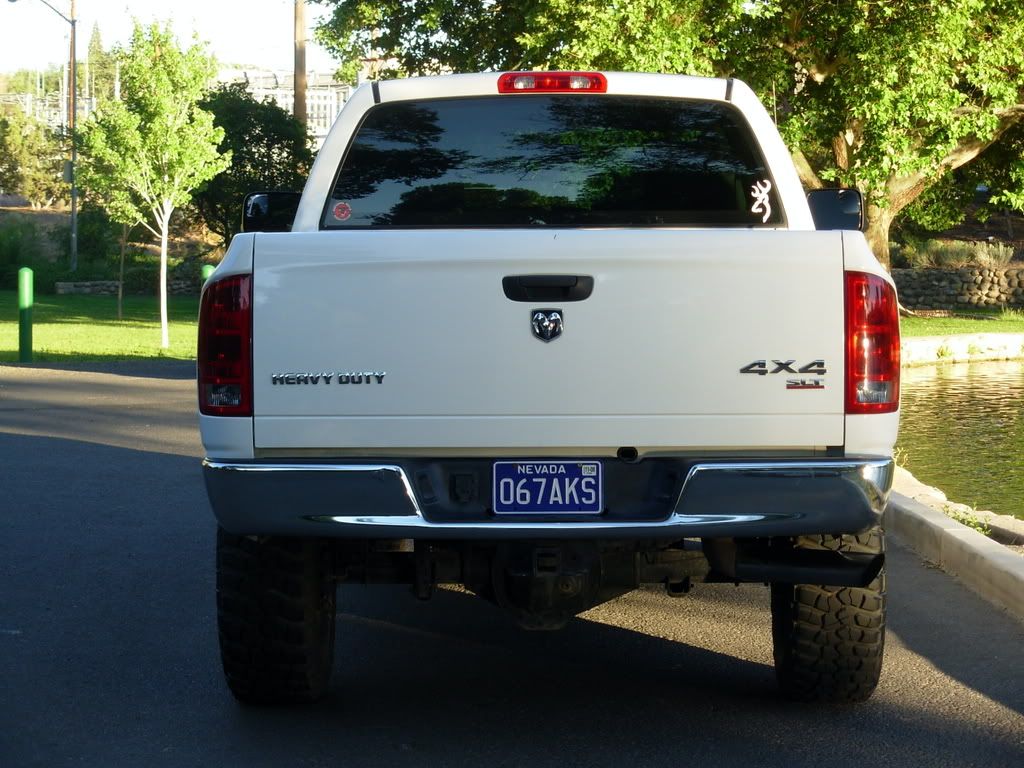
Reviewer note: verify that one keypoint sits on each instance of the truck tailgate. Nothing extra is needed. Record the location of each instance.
(405, 339)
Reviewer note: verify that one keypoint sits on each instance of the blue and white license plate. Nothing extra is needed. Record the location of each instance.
(547, 487)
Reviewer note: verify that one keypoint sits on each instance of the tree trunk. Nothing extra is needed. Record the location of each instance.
(165, 224)
(877, 234)
(120, 278)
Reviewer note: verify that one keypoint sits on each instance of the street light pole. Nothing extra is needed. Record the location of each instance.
(73, 116)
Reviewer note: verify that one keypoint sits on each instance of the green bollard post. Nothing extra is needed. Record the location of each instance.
(25, 301)
(207, 271)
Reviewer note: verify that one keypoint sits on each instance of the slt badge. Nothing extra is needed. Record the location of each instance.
(547, 324)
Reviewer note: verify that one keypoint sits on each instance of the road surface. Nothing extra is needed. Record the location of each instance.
(108, 648)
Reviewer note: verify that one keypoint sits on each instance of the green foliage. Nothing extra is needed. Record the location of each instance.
(97, 236)
(47, 81)
(887, 96)
(969, 518)
(965, 322)
(143, 156)
(31, 160)
(102, 67)
(1001, 169)
(146, 154)
(642, 35)
(403, 37)
(952, 254)
(19, 247)
(942, 206)
(269, 150)
(142, 279)
(427, 36)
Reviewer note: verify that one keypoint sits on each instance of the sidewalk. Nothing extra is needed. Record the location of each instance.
(992, 569)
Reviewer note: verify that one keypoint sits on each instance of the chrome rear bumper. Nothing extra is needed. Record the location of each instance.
(718, 499)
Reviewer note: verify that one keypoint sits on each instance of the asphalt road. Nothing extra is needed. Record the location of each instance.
(108, 652)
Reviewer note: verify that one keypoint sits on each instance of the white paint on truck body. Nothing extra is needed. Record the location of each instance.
(652, 358)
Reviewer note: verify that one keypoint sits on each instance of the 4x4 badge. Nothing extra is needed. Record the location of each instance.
(547, 323)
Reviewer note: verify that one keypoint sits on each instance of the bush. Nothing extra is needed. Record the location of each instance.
(98, 239)
(190, 269)
(142, 278)
(992, 255)
(19, 247)
(47, 273)
(951, 254)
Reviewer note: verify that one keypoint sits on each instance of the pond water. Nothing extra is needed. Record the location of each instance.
(962, 430)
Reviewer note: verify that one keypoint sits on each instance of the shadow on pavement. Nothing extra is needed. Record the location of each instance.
(108, 654)
(966, 639)
(119, 365)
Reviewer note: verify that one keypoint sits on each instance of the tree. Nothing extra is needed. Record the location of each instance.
(31, 160)
(32, 81)
(147, 153)
(889, 96)
(269, 150)
(102, 67)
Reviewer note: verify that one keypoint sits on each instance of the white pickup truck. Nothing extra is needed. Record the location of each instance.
(550, 336)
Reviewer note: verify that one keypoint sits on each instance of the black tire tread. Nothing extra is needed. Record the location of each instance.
(275, 617)
(829, 641)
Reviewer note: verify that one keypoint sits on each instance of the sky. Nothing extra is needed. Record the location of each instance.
(251, 32)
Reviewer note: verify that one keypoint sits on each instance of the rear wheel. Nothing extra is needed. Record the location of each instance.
(275, 616)
(829, 640)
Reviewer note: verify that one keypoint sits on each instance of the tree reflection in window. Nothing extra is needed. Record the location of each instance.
(575, 160)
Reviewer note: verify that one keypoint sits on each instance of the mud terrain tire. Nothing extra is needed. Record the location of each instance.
(829, 640)
(275, 616)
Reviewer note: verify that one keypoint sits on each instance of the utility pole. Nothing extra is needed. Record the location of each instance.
(71, 114)
(74, 141)
(299, 107)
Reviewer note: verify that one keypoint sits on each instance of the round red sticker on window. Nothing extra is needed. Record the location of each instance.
(342, 211)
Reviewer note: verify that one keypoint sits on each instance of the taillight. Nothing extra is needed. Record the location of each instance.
(872, 345)
(552, 82)
(225, 347)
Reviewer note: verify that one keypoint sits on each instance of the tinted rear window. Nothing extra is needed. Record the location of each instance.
(553, 161)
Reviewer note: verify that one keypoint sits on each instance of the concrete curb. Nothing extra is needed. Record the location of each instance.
(1003, 528)
(961, 348)
(988, 568)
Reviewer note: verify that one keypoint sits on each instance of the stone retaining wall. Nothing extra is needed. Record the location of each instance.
(960, 288)
(96, 287)
(109, 287)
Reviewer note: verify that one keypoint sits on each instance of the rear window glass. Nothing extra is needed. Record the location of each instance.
(553, 161)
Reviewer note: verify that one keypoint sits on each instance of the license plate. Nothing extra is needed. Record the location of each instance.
(547, 487)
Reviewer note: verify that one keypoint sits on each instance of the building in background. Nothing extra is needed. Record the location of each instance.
(324, 98)
(48, 102)
(324, 95)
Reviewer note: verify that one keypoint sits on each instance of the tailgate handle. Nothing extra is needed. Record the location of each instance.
(548, 287)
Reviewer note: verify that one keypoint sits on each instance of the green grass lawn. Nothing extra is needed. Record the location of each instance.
(1006, 321)
(87, 328)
